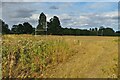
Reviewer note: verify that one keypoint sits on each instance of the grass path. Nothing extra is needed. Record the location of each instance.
(96, 58)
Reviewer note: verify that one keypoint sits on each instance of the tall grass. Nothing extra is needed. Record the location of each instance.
(27, 56)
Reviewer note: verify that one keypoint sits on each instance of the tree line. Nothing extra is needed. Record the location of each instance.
(54, 28)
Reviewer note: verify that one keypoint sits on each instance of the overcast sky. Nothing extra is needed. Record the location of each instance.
(71, 14)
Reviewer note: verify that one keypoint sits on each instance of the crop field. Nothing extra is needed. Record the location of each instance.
(29, 56)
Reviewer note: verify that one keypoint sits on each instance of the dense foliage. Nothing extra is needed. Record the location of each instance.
(24, 28)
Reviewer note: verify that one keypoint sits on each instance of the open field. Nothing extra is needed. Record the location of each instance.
(59, 56)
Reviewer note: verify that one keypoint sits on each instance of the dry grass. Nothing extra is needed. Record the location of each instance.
(59, 56)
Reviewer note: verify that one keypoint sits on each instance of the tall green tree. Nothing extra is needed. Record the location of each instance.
(54, 26)
(28, 29)
(108, 32)
(5, 28)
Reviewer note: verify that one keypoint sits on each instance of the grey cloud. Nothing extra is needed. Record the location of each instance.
(25, 10)
(19, 15)
(16, 11)
(12, 0)
(22, 13)
(66, 20)
(0, 4)
(116, 17)
(54, 7)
